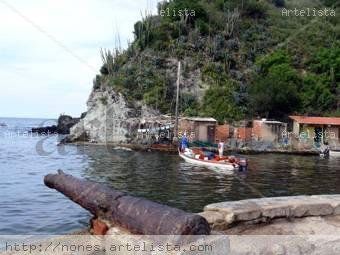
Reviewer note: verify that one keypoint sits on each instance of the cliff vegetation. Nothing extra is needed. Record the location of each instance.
(240, 59)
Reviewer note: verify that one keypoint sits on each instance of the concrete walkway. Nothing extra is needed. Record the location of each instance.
(226, 215)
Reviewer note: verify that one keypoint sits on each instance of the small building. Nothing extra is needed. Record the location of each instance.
(223, 132)
(268, 130)
(240, 131)
(248, 130)
(243, 133)
(198, 129)
(155, 129)
(319, 129)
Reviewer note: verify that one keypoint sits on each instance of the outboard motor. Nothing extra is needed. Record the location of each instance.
(325, 153)
(243, 164)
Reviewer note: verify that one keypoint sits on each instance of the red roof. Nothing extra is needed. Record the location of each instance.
(317, 120)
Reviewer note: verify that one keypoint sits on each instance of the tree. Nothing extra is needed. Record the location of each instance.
(327, 61)
(275, 91)
(316, 95)
(219, 102)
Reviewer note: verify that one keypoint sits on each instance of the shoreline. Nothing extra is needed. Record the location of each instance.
(173, 149)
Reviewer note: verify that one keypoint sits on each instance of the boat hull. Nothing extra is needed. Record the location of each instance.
(334, 153)
(206, 163)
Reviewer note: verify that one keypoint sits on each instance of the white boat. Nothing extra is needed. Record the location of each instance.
(334, 153)
(122, 148)
(226, 164)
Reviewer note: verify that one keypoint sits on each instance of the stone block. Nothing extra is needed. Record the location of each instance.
(336, 210)
(311, 209)
(276, 211)
(213, 216)
(333, 200)
(244, 210)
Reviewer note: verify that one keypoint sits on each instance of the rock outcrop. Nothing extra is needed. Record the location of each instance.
(110, 118)
(45, 130)
(63, 126)
(65, 123)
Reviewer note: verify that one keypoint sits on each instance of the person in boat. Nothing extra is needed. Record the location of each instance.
(220, 149)
(184, 142)
(324, 150)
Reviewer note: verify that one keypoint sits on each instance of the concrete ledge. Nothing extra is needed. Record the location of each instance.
(222, 215)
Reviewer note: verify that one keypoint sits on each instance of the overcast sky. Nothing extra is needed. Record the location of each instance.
(50, 51)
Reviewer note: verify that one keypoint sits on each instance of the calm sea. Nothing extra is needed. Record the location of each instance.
(28, 207)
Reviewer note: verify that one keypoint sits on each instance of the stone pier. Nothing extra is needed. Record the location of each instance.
(276, 215)
(278, 225)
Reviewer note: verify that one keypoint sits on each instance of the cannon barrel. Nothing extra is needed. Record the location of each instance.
(137, 215)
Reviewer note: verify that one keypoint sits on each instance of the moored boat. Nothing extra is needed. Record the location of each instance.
(122, 148)
(223, 163)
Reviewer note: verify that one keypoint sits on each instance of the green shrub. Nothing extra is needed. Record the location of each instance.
(331, 3)
(155, 98)
(255, 8)
(143, 31)
(138, 29)
(202, 27)
(188, 104)
(279, 3)
(225, 5)
(214, 73)
(219, 102)
(276, 58)
(104, 70)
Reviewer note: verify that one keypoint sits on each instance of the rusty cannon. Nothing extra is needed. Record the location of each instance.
(137, 215)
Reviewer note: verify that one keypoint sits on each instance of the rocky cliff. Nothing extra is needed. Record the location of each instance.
(110, 118)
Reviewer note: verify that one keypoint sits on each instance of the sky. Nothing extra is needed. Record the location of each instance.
(50, 51)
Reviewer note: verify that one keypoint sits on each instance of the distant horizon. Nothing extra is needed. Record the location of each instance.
(37, 118)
